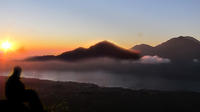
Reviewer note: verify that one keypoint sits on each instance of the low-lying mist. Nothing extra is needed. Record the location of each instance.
(146, 73)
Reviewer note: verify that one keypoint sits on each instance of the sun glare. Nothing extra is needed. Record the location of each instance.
(6, 45)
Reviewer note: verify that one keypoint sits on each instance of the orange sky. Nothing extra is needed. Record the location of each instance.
(25, 46)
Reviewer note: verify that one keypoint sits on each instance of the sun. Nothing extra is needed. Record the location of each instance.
(6, 45)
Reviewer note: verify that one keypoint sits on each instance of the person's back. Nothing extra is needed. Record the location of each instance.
(18, 95)
(14, 87)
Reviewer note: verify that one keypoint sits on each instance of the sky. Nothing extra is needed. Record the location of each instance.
(53, 26)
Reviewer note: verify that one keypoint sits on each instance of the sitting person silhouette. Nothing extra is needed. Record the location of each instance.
(15, 92)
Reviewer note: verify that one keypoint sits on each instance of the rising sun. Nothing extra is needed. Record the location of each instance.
(6, 45)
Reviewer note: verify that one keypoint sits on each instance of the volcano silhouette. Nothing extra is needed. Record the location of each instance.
(99, 50)
(183, 48)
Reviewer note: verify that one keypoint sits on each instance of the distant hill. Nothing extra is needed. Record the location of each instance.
(101, 49)
(144, 49)
(183, 48)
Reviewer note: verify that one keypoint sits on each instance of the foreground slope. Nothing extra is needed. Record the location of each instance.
(81, 97)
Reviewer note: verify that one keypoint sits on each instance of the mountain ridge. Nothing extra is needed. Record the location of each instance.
(101, 49)
(182, 48)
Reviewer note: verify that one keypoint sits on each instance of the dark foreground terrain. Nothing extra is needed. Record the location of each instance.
(80, 97)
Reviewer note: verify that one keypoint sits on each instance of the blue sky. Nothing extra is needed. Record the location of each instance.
(67, 23)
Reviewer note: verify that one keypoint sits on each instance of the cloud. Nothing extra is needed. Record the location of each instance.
(127, 73)
(154, 60)
(97, 64)
(103, 66)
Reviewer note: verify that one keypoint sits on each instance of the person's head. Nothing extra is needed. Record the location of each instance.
(17, 71)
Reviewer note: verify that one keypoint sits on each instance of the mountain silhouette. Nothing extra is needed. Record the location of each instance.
(144, 49)
(183, 48)
(101, 49)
